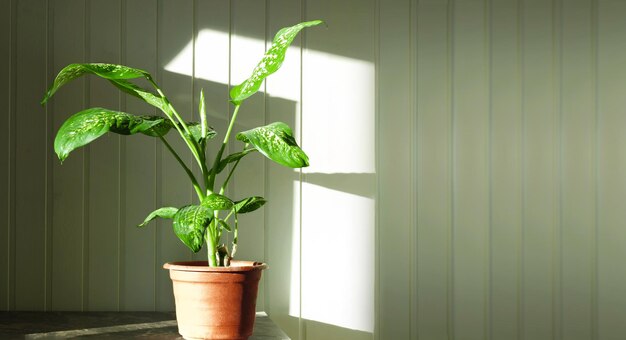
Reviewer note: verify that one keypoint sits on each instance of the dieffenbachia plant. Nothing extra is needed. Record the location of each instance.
(193, 224)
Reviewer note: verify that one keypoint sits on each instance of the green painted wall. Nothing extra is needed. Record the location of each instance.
(499, 151)
(505, 218)
(68, 235)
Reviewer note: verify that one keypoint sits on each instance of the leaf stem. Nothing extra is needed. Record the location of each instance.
(202, 112)
(232, 170)
(211, 246)
(194, 182)
(204, 128)
(218, 157)
(235, 235)
(186, 135)
(232, 123)
(205, 171)
(230, 173)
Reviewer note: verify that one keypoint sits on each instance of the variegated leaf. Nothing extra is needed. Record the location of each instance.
(85, 126)
(270, 63)
(276, 142)
(217, 202)
(107, 71)
(190, 223)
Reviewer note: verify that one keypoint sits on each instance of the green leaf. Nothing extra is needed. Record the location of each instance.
(166, 125)
(276, 142)
(140, 93)
(204, 128)
(190, 223)
(85, 126)
(249, 204)
(165, 212)
(160, 129)
(198, 135)
(232, 158)
(270, 63)
(217, 202)
(107, 71)
(224, 225)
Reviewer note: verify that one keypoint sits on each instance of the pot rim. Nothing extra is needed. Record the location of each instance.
(202, 266)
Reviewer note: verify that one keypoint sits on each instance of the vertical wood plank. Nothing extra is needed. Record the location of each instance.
(175, 31)
(341, 177)
(12, 158)
(67, 178)
(282, 213)
(611, 167)
(193, 110)
(247, 48)
(578, 125)
(433, 169)
(471, 173)
(138, 275)
(540, 214)
(506, 169)
(104, 164)
(212, 56)
(394, 195)
(49, 163)
(30, 138)
(6, 22)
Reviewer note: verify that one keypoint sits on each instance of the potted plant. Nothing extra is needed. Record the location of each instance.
(215, 299)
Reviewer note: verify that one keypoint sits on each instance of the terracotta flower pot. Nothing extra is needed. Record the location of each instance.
(215, 302)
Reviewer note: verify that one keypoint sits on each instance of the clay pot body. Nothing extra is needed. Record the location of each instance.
(215, 302)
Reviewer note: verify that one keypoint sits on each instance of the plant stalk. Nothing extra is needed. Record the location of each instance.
(204, 126)
(194, 182)
(218, 157)
(212, 234)
(235, 235)
(211, 244)
(191, 143)
(205, 171)
(230, 174)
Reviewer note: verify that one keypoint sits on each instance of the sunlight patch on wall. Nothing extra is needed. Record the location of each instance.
(294, 288)
(339, 123)
(332, 252)
(207, 41)
(338, 191)
(338, 258)
(210, 68)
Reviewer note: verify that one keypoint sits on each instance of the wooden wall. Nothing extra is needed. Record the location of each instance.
(70, 229)
(506, 219)
(467, 160)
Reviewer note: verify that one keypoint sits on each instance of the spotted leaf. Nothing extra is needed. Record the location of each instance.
(217, 202)
(198, 135)
(190, 223)
(107, 71)
(85, 126)
(276, 142)
(271, 62)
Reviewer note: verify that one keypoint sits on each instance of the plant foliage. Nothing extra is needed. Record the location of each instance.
(194, 225)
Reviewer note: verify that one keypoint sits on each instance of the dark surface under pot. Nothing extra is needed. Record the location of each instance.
(109, 325)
